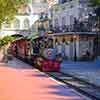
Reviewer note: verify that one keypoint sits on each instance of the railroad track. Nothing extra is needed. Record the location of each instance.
(89, 90)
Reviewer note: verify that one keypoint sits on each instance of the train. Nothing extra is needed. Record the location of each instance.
(38, 51)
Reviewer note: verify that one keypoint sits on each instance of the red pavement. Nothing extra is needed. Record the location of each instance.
(30, 84)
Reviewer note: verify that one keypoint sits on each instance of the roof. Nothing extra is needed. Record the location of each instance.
(76, 33)
(32, 36)
(19, 38)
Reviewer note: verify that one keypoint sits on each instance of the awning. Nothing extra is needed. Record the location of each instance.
(32, 36)
(19, 38)
(75, 33)
(35, 37)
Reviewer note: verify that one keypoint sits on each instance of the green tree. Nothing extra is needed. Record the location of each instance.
(9, 8)
(95, 3)
(6, 40)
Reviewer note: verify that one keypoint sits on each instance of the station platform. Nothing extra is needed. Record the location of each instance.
(19, 81)
(88, 71)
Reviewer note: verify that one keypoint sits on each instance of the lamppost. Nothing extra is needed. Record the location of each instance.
(74, 38)
(75, 55)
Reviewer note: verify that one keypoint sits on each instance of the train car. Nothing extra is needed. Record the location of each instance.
(13, 48)
(39, 51)
(20, 48)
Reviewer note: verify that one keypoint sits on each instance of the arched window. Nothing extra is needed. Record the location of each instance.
(26, 24)
(16, 23)
(63, 20)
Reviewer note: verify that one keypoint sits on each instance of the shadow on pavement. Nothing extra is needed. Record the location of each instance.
(17, 64)
(63, 90)
(37, 75)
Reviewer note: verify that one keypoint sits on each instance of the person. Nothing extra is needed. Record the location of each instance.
(63, 49)
(67, 50)
(5, 55)
(5, 52)
(9, 54)
(16, 50)
(87, 53)
(59, 48)
(59, 51)
(36, 48)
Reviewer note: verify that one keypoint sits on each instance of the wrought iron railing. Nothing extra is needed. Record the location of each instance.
(79, 27)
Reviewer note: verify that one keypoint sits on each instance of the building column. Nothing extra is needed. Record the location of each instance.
(21, 24)
(77, 48)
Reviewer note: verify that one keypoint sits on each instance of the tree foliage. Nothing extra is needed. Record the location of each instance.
(6, 40)
(95, 3)
(9, 8)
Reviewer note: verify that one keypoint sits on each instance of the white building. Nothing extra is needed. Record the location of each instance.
(64, 13)
(24, 21)
(65, 17)
(20, 25)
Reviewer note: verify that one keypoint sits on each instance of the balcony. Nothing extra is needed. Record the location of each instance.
(79, 27)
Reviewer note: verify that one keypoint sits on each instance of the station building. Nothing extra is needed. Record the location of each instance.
(73, 30)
